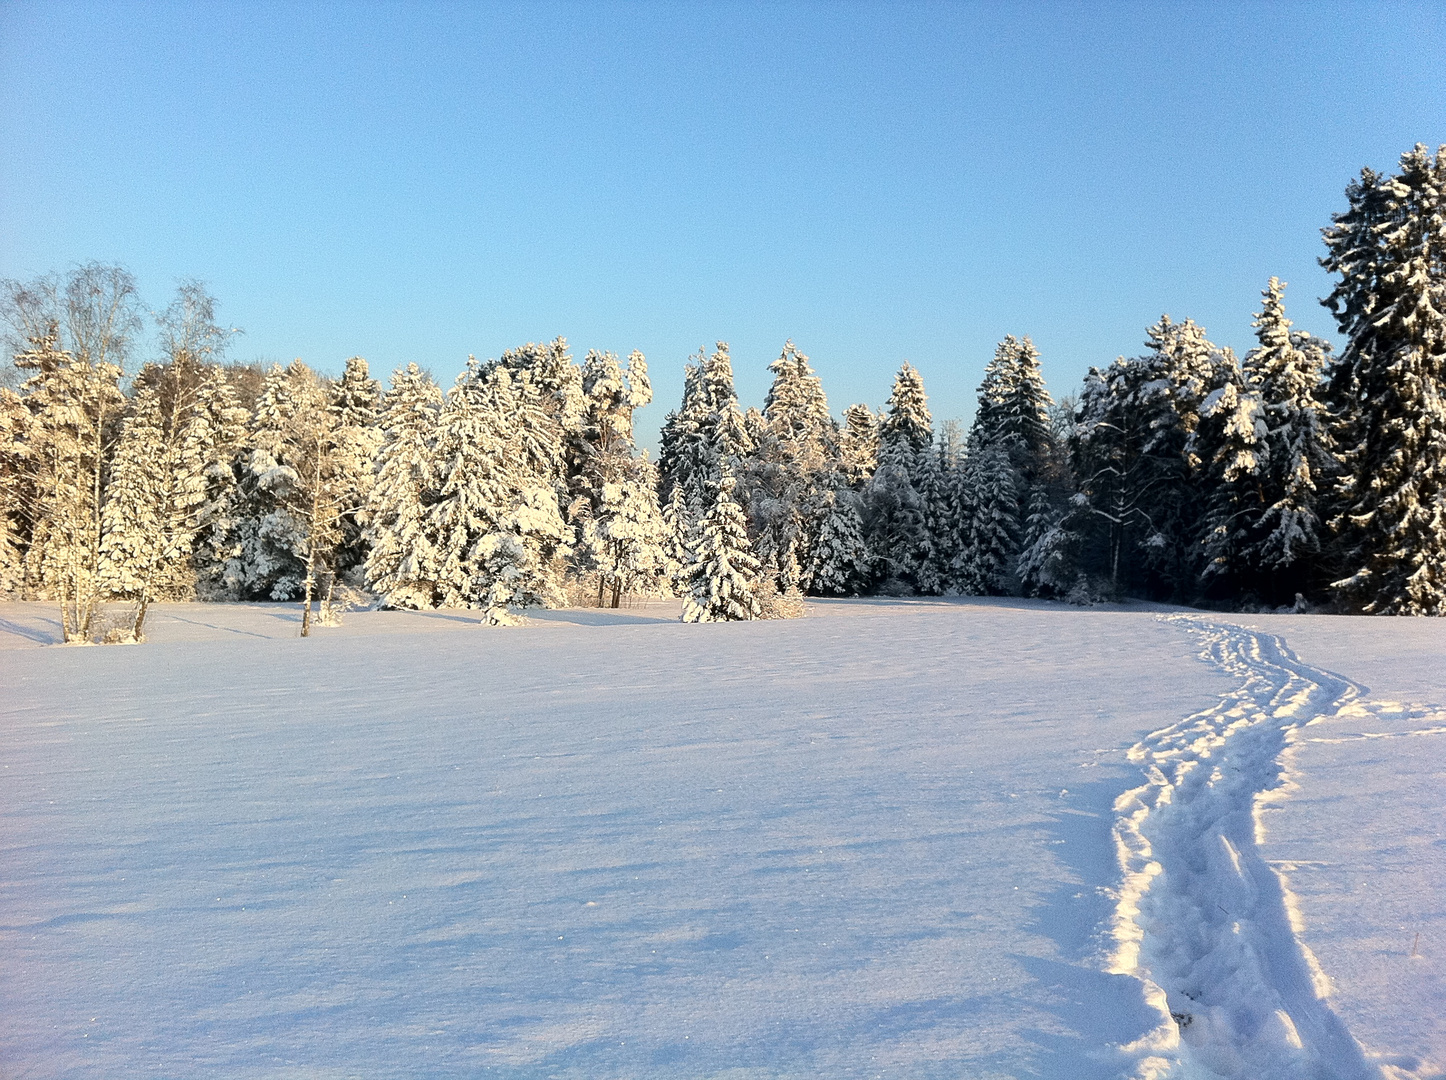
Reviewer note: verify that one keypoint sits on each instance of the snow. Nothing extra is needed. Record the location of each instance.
(877, 841)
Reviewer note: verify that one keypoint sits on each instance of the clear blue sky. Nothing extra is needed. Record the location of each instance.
(877, 182)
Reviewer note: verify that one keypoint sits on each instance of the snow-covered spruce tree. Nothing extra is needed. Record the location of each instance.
(401, 562)
(624, 540)
(266, 547)
(164, 461)
(989, 503)
(723, 571)
(1138, 463)
(1014, 407)
(1279, 496)
(858, 445)
(473, 490)
(356, 401)
(679, 519)
(707, 433)
(896, 520)
(500, 535)
(623, 535)
(1389, 521)
(906, 418)
(17, 490)
(896, 517)
(221, 426)
(153, 501)
(1230, 445)
(75, 405)
(1046, 548)
(783, 479)
(838, 563)
(72, 336)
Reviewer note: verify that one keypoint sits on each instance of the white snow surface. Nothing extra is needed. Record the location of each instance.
(895, 838)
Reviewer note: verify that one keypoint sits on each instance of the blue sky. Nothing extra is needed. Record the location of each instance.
(417, 182)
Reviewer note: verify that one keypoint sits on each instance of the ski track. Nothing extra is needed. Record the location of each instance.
(1201, 918)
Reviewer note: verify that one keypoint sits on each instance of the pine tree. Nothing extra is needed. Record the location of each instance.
(838, 564)
(1142, 464)
(858, 448)
(707, 434)
(723, 570)
(221, 432)
(1389, 249)
(153, 501)
(781, 480)
(990, 521)
(680, 521)
(355, 401)
(906, 418)
(401, 562)
(17, 492)
(1285, 370)
(75, 404)
(624, 540)
(896, 519)
(1014, 406)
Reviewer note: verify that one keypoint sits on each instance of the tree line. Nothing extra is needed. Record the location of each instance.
(1291, 476)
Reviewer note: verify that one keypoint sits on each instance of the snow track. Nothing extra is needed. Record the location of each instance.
(1201, 918)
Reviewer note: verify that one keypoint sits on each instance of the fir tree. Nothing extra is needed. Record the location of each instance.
(153, 502)
(401, 562)
(1295, 459)
(896, 519)
(707, 434)
(221, 430)
(17, 492)
(782, 478)
(1390, 305)
(858, 449)
(1142, 464)
(355, 402)
(989, 529)
(75, 404)
(723, 570)
(906, 418)
(838, 563)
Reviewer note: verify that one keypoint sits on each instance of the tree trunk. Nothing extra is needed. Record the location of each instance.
(310, 585)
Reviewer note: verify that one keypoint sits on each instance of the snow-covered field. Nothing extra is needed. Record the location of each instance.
(884, 840)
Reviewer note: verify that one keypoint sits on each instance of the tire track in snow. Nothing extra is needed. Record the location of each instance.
(1201, 919)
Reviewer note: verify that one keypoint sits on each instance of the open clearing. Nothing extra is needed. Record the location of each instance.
(877, 841)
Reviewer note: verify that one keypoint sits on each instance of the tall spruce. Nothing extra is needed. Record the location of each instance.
(1389, 248)
(1297, 463)
(356, 403)
(783, 479)
(401, 561)
(723, 571)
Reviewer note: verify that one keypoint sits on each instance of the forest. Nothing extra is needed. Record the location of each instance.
(1294, 476)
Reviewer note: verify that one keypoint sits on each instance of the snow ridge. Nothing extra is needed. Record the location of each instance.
(1201, 918)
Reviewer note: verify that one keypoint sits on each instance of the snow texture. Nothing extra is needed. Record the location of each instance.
(878, 841)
